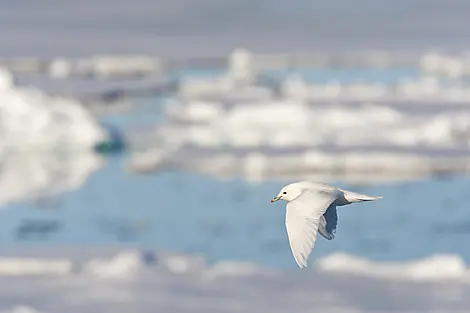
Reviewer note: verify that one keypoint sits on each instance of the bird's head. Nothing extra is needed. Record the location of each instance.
(288, 193)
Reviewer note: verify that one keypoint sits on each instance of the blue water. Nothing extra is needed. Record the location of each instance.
(320, 75)
(234, 219)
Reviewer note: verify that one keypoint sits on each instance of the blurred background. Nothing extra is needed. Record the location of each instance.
(141, 142)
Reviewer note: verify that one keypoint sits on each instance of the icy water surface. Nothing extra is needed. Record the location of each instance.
(234, 219)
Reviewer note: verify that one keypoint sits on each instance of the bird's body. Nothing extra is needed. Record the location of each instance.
(311, 208)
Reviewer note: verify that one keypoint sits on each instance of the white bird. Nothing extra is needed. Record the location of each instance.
(311, 208)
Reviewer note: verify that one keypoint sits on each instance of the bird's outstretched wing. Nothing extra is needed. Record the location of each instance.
(303, 217)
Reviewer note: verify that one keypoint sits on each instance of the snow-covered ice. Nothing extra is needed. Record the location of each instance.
(286, 138)
(288, 123)
(46, 143)
(105, 280)
(31, 120)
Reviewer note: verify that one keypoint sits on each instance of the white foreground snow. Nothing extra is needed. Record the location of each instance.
(104, 280)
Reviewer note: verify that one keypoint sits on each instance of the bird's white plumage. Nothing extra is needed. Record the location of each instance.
(303, 217)
(311, 209)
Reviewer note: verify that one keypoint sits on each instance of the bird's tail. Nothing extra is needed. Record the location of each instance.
(358, 197)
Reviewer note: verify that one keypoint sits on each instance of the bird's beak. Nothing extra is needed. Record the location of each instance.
(275, 199)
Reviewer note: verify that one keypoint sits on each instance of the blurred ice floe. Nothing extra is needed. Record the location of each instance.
(30, 120)
(287, 123)
(292, 138)
(97, 280)
(434, 268)
(247, 123)
(46, 143)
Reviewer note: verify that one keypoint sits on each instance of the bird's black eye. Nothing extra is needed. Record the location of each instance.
(284, 192)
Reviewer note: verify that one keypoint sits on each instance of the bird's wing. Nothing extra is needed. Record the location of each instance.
(303, 217)
(328, 222)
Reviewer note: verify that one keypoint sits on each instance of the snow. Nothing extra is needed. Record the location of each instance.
(31, 266)
(103, 67)
(52, 122)
(270, 138)
(146, 281)
(434, 268)
(124, 265)
(46, 142)
(291, 123)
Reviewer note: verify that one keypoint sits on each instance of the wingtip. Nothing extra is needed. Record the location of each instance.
(302, 264)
